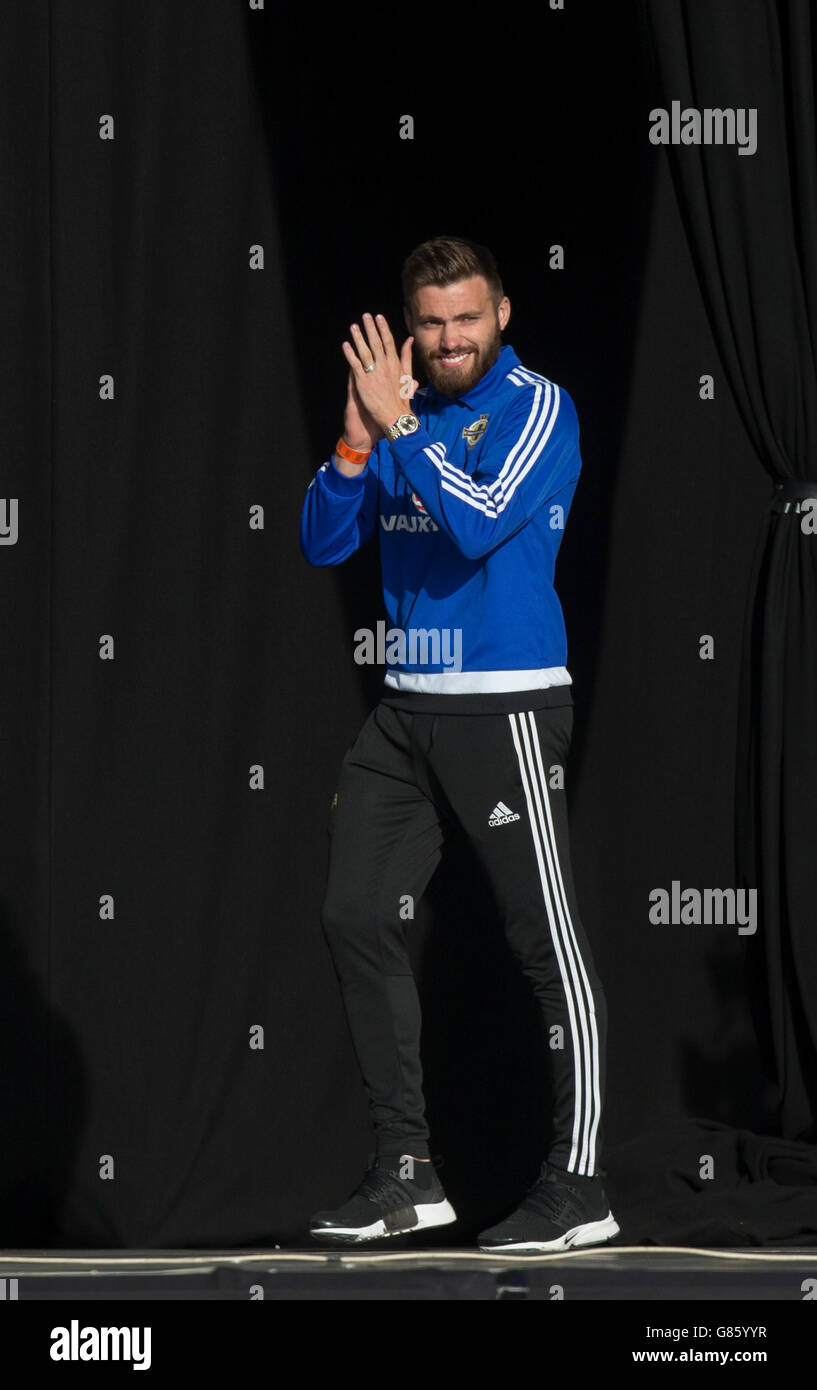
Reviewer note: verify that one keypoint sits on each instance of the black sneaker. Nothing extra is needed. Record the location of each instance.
(384, 1204)
(561, 1210)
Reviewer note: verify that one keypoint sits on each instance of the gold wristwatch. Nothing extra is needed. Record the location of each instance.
(405, 424)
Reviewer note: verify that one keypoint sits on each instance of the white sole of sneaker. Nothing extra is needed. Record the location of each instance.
(591, 1233)
(429, 1214)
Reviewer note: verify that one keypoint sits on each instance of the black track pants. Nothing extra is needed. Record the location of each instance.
(501, 776)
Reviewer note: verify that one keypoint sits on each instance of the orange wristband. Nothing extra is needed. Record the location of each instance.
(350, 455)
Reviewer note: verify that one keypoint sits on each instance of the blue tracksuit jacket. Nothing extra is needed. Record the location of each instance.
(470, 511)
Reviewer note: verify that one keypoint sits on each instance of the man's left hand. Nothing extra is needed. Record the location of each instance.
(380, 389)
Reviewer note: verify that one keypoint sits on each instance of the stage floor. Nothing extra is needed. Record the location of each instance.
(641, 1273)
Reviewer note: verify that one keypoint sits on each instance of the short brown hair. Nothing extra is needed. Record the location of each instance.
(446, 259)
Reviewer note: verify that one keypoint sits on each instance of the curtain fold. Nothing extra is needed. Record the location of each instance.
(751, 222)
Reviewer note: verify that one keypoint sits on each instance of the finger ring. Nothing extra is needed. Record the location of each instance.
(370, 367)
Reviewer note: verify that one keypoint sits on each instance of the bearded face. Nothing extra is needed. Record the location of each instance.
(457, 333)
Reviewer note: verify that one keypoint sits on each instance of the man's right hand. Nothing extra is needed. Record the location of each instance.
(360, 431)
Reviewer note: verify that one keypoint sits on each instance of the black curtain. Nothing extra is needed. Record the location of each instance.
(751, 221)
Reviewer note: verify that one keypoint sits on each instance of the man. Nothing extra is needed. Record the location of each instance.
(468, 484)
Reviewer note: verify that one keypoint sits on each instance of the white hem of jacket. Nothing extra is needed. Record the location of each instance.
(478, 682)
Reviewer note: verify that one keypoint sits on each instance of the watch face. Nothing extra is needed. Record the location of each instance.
(408, 423)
